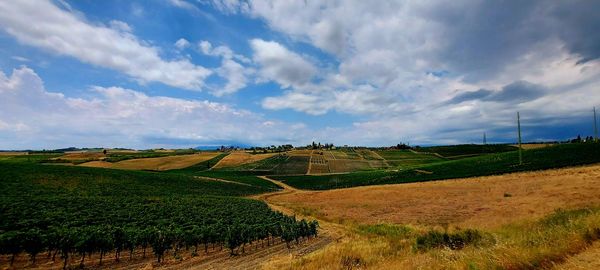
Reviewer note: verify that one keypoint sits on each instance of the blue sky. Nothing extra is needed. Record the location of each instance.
(181, 73)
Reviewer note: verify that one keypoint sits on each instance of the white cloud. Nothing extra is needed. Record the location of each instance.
(235, 73)
(182, 43)
(120, 26)
(20, 58)
(221, 51)
(397, 62)
(279, 64)
(65, 33)
(230, 6)
(236, 76)
(30, 116)
(183, 4)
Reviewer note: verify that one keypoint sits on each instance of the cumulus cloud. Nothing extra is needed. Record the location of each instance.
(279, 64)
(231, 70)
(182, 43)
(31, 116)
(396, 60)
(114, 47)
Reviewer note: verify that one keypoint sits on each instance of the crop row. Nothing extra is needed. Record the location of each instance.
(70, 226)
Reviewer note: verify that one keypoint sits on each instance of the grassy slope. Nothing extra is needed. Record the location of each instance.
(241, 177)
(530, 244)
(468, 149)
(535, 159)
(202, 166)
(34, 179)
(245, 177)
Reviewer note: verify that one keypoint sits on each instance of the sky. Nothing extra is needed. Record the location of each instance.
(183, 73)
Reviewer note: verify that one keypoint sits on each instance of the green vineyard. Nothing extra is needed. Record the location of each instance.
(69, 212)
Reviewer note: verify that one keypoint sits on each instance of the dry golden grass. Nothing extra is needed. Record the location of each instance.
(159, 163)
(588, 259)
(475, 202)
(528, 146)
(238, 158)
(13, 153)
(508, 208)
(82, 155)
(300, 152)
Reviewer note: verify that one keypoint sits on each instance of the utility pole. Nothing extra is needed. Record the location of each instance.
(595, 126)
(519, 130)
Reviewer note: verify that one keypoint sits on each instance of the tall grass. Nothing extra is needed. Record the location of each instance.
(531, 244)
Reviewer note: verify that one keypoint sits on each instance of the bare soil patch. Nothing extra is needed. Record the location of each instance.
(474, 202)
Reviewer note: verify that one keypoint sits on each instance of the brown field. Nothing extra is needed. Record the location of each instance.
(479, 202)
(238, 158)
(337, 154)
(588, 259)
(300, 152)
(159, 163)
(509, 207)
(528, 146)
(82, 155)
(13, 153)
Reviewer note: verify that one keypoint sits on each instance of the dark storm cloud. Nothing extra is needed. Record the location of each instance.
(484, 37)
(579, 24)
(520, 91)
(517, 92)
(467, 96)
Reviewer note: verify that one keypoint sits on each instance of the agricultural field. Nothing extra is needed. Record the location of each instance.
(293, 165)
(490, 164)
(318, 164)
(169, 162)
(541, 219)
(198, 213)
(82, 216)
(13, 153)
(462, 150)
(239, 158)
(368, 154)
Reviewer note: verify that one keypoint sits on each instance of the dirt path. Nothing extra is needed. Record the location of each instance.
(221, 180)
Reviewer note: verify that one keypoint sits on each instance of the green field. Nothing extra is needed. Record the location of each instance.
(293, 165)
(407, 158)
(116, 157)
(450, 151)
(535, 159)
(243, 177)
(279, 164)
(79, 211)
(34, 158)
